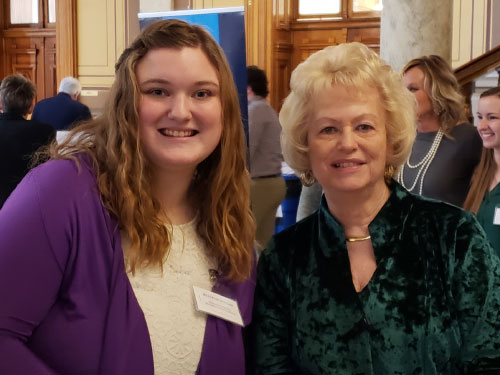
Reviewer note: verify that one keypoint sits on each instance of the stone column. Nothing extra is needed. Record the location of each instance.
(411, 29)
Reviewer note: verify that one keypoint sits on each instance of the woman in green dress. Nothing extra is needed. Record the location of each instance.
(378, 280)
(484, 194)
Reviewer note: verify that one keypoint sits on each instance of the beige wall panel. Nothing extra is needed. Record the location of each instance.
(462, 32)
(470, 29)
(92, 21)
(101, 39)
(479, 23)
(455, 40)
(119, 32)
(227, 3)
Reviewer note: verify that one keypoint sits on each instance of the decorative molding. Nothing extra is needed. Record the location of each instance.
(29, 33)
(29, 71)
(283, 47)
(337, 24)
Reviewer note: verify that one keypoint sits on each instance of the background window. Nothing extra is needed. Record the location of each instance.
(308, 7)
(52, 11)
(366, 5)
(23, 11)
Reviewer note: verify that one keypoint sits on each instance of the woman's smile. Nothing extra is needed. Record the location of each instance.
(178, 133)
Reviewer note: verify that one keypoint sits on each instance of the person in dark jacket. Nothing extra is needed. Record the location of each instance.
(63, 110)
(19, 137)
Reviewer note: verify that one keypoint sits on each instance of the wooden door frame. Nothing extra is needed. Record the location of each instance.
(66, 44)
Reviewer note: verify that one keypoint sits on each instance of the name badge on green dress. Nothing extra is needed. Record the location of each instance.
(496, 216)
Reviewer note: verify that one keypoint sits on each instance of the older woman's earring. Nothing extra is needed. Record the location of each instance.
(388, 173)
(307, 178)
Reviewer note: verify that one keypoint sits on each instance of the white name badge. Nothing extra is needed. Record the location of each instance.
(496, 216)
(217, 305)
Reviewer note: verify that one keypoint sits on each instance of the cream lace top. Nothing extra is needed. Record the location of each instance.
(176, 328)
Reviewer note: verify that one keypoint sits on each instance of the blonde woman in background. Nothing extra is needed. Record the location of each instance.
(447, 148)
(100, 247)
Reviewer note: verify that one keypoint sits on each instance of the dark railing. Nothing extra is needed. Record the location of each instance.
(468, 72)
(478, 66)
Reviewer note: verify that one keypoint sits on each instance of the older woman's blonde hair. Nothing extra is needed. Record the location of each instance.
(352, 65)
(443, 90)
(221, 187)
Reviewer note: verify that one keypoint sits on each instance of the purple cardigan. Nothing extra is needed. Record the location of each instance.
(66, 304)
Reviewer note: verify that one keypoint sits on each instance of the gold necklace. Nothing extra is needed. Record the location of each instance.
(356, 239)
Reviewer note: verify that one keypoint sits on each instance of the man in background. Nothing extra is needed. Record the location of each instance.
(63, 110)
(268, 188)
(19, 138)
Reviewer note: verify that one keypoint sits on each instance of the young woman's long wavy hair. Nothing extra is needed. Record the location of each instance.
(443, 90)
(484, 172)
(220, 188)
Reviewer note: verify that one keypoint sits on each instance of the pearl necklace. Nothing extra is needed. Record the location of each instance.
(423, 165)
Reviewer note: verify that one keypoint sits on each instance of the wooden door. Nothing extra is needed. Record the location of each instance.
(30, 48)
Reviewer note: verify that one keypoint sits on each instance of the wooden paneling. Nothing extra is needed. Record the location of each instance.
(26, 55)
(35, 58)
(369, 36)
(277, 41)
(50, 65)
(282, 68)
(256, 33)
(282, 12)
(306, 42)
(30, 50)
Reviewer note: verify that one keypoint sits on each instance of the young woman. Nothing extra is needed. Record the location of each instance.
(100, 247)
(484, 195)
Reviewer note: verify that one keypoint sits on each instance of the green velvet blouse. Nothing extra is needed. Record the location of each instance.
(485, 217)
(431, 307)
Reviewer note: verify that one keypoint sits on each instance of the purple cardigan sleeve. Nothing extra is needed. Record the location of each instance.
(36, 228)
(31, 273)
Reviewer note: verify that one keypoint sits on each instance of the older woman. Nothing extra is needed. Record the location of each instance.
(377, 281)
(447, 147)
